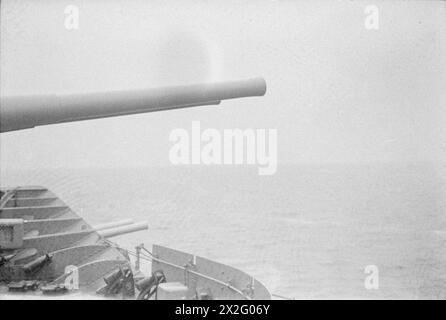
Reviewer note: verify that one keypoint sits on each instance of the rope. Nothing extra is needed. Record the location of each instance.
(281, 297)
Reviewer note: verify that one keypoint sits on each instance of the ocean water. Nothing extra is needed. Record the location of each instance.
(306, 232)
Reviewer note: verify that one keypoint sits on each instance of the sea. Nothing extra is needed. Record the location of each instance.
(307, 232)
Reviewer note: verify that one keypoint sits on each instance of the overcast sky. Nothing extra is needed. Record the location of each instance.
(337, 92)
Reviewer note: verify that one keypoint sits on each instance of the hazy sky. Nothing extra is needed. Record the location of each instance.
(337, 92)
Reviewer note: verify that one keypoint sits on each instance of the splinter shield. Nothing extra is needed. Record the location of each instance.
(206, 279)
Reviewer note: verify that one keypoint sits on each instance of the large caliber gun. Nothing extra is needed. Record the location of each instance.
(22, 112)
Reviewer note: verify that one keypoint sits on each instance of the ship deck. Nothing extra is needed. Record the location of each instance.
(81, 253)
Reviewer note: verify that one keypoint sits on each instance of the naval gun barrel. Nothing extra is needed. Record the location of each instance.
(109, 225)
(22, 112)
(113, 232)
